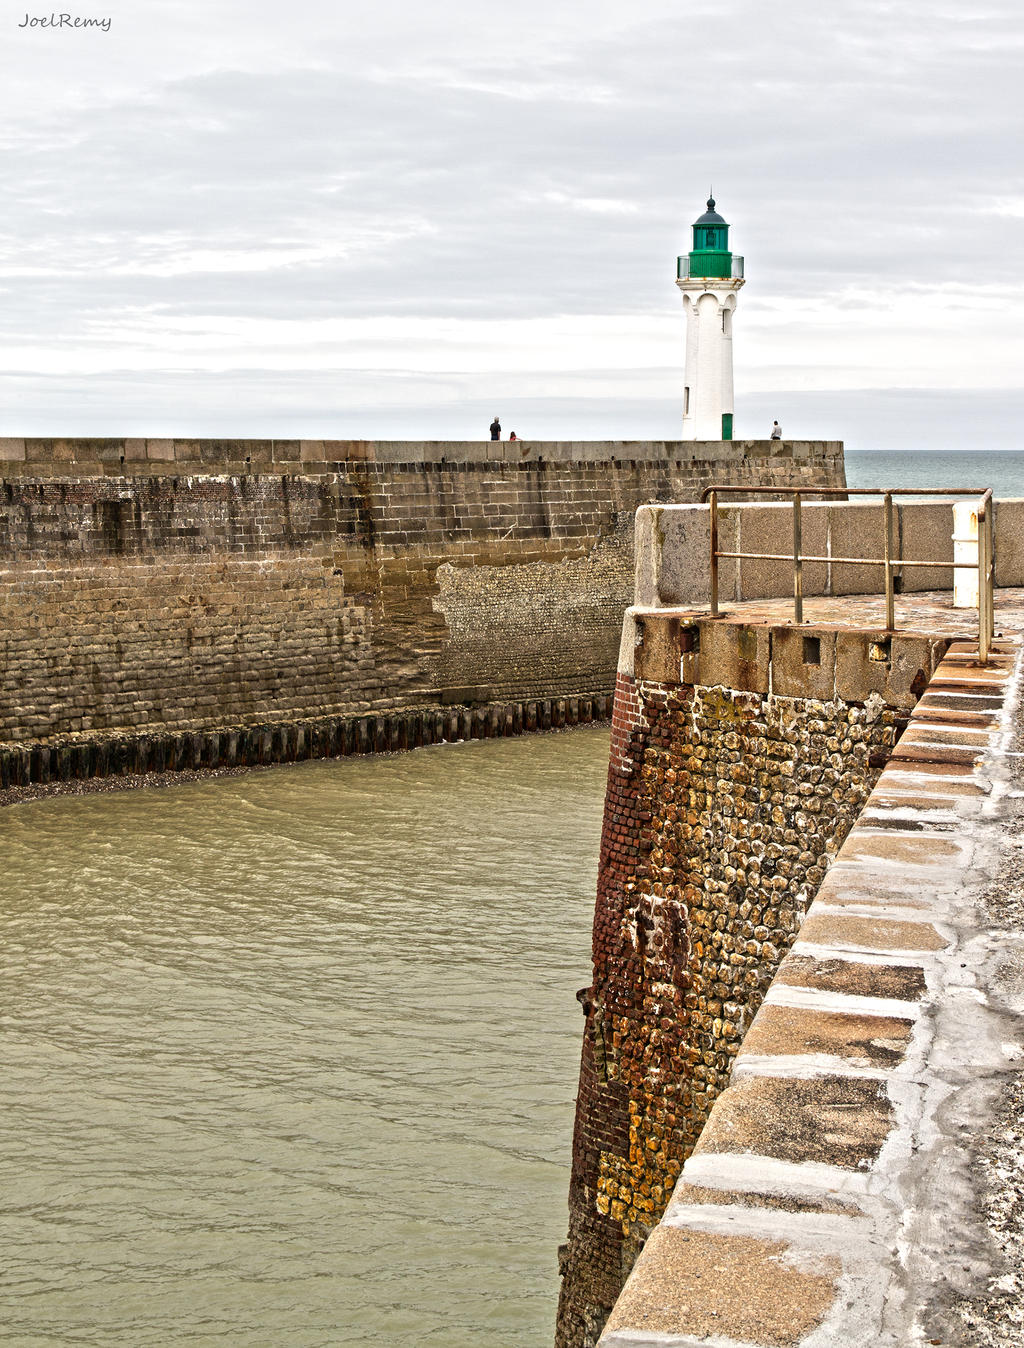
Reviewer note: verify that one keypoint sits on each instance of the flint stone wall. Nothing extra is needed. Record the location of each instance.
(723, 810)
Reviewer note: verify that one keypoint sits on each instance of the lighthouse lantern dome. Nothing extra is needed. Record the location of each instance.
(710, 255)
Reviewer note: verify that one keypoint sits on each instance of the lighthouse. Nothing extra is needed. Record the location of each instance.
(710, 278)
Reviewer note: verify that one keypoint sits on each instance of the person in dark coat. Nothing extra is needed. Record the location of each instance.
(495, 429)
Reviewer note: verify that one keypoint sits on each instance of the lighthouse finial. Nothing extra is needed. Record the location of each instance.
(711, 198)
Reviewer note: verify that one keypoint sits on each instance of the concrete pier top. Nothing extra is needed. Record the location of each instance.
(20, 456)
(858, 1181)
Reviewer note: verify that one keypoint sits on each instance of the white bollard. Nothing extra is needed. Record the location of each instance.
(965, 554)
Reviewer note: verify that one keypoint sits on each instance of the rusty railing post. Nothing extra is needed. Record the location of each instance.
(713, 501)
(986, 625)
(798, 565)
(990, 562)
(982, 596)
(890, 599)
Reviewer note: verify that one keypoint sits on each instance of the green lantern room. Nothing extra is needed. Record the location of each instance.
(710, 255)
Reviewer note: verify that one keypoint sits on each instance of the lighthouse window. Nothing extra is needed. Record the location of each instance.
(686, 401)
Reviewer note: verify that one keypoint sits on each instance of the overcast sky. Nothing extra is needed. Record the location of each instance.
(317, 217)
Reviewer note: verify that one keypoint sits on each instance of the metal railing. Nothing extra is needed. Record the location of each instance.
(891, 563)
(735, 270)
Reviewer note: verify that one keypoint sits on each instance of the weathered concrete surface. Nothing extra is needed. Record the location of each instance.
(863, 1164)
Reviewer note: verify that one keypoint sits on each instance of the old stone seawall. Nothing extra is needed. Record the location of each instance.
(744, 752)
(169, 604)
(728, 792)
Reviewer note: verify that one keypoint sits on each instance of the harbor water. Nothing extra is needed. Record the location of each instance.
(290, 1058)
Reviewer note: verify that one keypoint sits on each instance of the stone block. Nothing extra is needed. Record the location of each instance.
(284, 451)
(863, 1041)
(769, 529)
(686, 556)
(107, 451)
(735, 655)
(160, 450)
(884, 935)
(862, 666)
(926, 532)
(804, 662)
(12, 451)
(261, 453)
(828, 1120)
(361, 451)
(856, 530)
(48, 451)
(627, 643)
(404, 451)
(221, 453)
(912, 662)
(660, 642)
(1008, 542)
(647, 555)
(896, 666)
(905, 983)
(693, 1286)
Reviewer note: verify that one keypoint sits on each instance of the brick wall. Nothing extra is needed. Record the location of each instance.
(722, 811)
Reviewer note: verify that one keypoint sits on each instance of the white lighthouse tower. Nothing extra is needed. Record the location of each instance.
(709, 277)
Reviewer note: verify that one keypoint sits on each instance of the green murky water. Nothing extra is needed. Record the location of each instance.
(290, 1058)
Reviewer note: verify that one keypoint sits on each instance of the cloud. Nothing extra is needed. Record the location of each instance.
(531, 173)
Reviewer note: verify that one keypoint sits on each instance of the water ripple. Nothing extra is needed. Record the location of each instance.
(291, 1056)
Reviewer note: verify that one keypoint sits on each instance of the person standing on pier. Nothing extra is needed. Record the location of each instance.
(495, 428)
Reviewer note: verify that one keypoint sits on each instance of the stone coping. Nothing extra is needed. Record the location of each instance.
(20, 456)
(830, 1199)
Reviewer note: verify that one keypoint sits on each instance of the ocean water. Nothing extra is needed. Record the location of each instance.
(1002, 470)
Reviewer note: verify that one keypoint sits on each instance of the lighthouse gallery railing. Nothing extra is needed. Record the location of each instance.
(735, 269)
(891, 563)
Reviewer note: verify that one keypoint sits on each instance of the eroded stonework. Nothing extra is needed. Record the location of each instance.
(723, 809)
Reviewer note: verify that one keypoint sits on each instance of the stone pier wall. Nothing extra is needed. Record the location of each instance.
(742, 754)
(858, 1180)
(161, 588)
